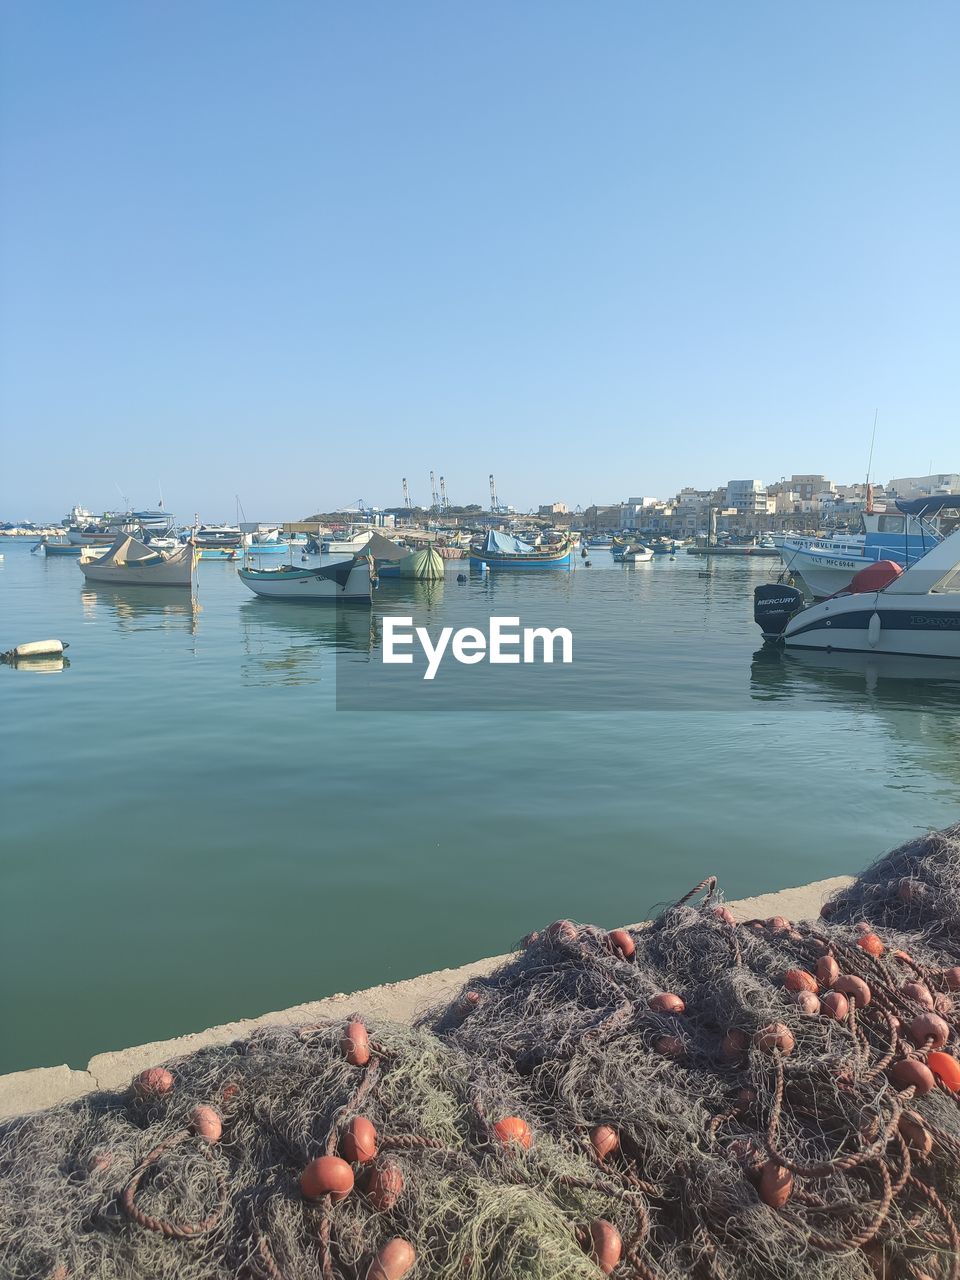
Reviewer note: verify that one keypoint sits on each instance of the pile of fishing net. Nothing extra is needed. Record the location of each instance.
(914, 888)
(695, 1097)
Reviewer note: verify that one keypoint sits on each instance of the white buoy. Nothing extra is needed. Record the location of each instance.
(36, 649)
(873, 630)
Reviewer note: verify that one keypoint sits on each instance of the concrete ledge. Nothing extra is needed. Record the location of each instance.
(397, 1001)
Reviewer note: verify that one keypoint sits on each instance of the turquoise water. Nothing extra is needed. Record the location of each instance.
(193, 832)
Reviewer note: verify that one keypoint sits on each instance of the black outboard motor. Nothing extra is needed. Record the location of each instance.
(774, 604)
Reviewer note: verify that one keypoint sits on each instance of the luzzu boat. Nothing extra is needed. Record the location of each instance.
(827, 565)
(343, 581)
(503, 551)
(130, 562)
(60, 546)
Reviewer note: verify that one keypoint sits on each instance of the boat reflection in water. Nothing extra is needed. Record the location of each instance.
(911, 705)
(895, 680)
(284, 645)
(287, 645)
(141, 608)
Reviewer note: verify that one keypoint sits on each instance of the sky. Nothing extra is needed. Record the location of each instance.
(294, 252)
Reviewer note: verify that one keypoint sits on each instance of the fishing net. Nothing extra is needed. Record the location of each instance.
(694, 1097)
(915, 887)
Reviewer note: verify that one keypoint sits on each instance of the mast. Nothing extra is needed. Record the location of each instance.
(869, 492)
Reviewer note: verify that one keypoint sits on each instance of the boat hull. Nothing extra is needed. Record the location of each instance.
(521, 560)
(825, 573)
(220, 553)
(56, 547)
(310, 585)
(175, 570)
(925, 626)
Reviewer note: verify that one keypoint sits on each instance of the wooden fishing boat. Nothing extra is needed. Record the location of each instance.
(502, 551)
(130, 562)
(336, 583)
(60, 546)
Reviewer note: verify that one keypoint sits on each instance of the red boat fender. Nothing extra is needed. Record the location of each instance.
(875, 577)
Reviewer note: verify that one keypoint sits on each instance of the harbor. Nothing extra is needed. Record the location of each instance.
(228, 703)
(477, 802)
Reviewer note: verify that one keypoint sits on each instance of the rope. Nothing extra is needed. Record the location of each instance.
(178, 1230)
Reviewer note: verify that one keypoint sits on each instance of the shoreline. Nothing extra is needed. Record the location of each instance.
(38, 1088)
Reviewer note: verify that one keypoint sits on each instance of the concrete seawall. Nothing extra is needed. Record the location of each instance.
(42, 1087)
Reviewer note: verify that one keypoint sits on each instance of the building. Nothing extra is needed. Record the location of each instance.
(925, 486)
(810, 487)
(747, 497)
(553, 509)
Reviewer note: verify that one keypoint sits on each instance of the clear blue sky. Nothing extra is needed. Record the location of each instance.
(297, 251)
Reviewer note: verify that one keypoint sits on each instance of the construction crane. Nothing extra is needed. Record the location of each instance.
(406, 494)
(434, 500)
(494, 504)
(443, 494)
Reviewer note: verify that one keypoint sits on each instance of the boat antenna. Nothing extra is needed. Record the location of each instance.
(873, 438)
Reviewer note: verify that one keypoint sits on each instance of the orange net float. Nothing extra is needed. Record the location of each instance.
(327, 1175)
(513, 1131)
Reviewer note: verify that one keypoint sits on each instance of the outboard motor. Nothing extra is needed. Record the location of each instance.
(774, 604)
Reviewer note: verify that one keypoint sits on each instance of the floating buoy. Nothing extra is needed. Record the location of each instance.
(775, 1038)
(359, 1144)
(928, 1026)
(946, 1068)
(461, 577)
(606, 1246)
(912, 1073)
(35, 649)
(605, 1140)
(853, 988)
(393, 1260)
(776, 1185)
(206, 1124)
(835, 1005)
(620, 940)
(327, 1176)
(153, 1083)
(666, 1002)
(384, 1185)
(512, 1130)
(800, 980)
(355, 1044)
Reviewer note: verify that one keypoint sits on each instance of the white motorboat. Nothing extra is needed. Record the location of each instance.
(827, 565)
(342, 580)
(130, 562)
(885, 609)
(217, 535)
(345, 546)
(636, 553)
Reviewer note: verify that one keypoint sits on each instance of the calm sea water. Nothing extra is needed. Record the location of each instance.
(192, 832)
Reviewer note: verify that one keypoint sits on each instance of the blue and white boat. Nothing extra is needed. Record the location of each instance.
(503, 551)
(827, 565)
(59, 546)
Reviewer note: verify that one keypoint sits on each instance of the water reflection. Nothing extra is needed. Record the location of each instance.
(41, 666)
(141, 608)
(288, 643)
(397, 595)
(911, 702)
(869, 679)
